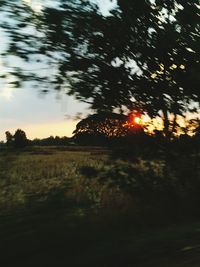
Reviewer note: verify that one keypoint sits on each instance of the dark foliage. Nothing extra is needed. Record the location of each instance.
(19, 139)
(52, 141)
(143, 56)
(9, 138)
(105, 128)
(88, 171)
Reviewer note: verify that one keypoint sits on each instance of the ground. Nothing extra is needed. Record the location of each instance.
(52, 215)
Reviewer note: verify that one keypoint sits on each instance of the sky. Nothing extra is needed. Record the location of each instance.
(40, 115)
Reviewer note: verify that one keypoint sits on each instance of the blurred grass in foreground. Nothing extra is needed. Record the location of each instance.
(76, 208)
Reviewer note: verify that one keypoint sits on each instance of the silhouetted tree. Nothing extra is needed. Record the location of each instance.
(103, 127)
(108, 124)
(20, 139)
(9, 138)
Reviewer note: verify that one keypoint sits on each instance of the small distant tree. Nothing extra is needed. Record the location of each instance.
(20, 139)
(9, 138)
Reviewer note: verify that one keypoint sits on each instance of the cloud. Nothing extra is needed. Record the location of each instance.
(6, 93)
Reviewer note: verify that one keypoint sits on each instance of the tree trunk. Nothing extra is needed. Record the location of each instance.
(166, 122)
(174, 124)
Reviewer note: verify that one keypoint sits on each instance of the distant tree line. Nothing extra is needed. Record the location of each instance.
(122, 133)
(127, 138)
(19, 140)
(52, 141)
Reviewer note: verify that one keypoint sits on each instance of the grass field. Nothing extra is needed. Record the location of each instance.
(71, 207)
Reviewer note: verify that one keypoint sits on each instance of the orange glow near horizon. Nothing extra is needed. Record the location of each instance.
(44, 130)
(137, 120)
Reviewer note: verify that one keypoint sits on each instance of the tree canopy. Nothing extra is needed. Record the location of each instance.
(105, 127)
(106, 123)
(143, 56)
(18, 140)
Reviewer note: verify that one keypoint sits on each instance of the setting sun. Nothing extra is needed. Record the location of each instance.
(134, 118)
(137, 120)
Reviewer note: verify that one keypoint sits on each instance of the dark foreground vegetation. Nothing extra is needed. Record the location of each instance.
(86, 206)
(136, 201)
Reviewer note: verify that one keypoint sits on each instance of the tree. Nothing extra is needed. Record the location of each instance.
(20, 139)
(100, 128)
(144, 56)
(9, 138)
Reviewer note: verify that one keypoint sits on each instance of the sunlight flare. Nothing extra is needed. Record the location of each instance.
(137, 120)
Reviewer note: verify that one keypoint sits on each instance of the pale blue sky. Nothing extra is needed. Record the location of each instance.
(40, 115)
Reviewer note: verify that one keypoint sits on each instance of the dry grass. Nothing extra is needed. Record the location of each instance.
(39, 174)
(57, 236)
(90, 178)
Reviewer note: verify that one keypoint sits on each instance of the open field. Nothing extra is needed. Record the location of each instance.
(79, 207)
